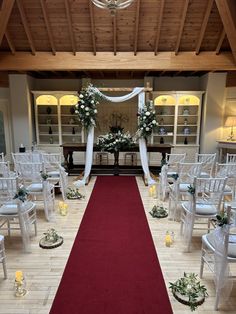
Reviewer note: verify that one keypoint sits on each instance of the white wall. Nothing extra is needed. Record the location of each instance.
(177, 83)
(212, 111)
(21, 109)
(229, 110)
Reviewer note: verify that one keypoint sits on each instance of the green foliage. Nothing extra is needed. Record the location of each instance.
(222, 219)
(115, 142)
(73, 193)
(191, 189)
(190, 287)
(21, 194)
(175, 176)
(146, 120)
(86, 109)
(44, 175)
(158, 212)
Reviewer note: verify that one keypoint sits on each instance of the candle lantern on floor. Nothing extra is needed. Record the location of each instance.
(168, 239)
(63, 208)
(20, 284)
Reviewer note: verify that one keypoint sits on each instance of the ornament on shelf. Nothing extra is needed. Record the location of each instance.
(50, 130)
(185, 111)
(162, 140)
(49, 110)
(72, 110)
(185, 141)
(51, 140)
(73, 130)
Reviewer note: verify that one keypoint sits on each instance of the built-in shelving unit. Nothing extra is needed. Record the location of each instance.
(55, 119)
(178, 115)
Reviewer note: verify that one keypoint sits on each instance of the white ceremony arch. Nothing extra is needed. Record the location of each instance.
(140, 91)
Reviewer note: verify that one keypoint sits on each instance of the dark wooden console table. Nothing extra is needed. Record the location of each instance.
(70, 148)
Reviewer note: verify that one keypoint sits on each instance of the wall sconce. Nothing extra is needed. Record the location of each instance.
(231, 122)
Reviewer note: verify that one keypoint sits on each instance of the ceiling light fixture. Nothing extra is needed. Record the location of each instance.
(112, 5)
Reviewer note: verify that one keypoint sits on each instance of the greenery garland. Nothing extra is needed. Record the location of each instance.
(86, 108)
(147, 122)
(190, 288)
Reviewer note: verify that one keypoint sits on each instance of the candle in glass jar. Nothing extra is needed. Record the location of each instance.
(19, 275)
(168, 240)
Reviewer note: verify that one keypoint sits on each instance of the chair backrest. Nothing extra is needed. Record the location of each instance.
(231, 158)
(188, 171)
(5, 169)
(51, 160)
(209, 191)
(208, 162)
(8, 188)
(226, 170)
(2, 157)
(30, 171)
(172, 160)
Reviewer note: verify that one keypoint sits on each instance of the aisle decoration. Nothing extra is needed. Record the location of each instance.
(158, 212)
(50, 240)
(189, 291)
(86, 109)
(20, 284)
(147, 122)
(74, 194)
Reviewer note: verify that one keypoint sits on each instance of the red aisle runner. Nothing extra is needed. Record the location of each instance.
(113, 267)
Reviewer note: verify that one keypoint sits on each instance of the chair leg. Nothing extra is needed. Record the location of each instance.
(216, 307)
(9, 227)
(202, 263)
(4, 268)
(35, 228)
(208, 226)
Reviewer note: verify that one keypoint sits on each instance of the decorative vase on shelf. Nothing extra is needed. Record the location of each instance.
(162, 140)
(185, 111)
(51, 140)
(50, 130)
(73, 130)
(72, 110)
(185, 141)
(49, 110)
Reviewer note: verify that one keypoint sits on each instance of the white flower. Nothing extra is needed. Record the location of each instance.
(154, 122)
(144, 118)
(147, 129)
(81, 96)
(95, 111)
(76, 111)
(144, 125)
(147, 113)
(82, 106)
(87, 108)
(92, 102)
(87, 113)
(76, 106)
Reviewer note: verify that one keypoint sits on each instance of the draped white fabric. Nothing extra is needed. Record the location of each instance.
(142, 144)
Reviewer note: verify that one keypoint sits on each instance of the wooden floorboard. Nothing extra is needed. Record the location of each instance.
(44, 268)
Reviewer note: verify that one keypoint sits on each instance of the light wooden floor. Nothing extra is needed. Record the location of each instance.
(43, 268)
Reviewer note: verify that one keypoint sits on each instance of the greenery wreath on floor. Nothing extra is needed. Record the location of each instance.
(189, 291)
(73, 194)
(158, 212)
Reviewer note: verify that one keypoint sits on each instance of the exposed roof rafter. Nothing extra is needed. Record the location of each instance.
(227, 10)
(221, 39)
(10, 42)
(26, 25)
(204, 25)
(5, 13)
(114, 33)
(92, 27)
(136, 27)
(48, 26)
(159, 26)
(69, 21)
(185, 9)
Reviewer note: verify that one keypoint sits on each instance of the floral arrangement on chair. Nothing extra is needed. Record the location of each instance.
(115, 142)
(73, 193)
(86, 108)
(21, 194)
(147, 122)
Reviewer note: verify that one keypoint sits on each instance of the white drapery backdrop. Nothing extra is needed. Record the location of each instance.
(142, 143)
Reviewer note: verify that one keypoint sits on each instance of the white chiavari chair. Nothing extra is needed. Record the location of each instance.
(229, 171)
(3, 256)
(218, 252)
(231, 158)
(203, 205)
(2, 158)
(208, 163)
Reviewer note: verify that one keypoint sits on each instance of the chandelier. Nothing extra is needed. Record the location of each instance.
(112, 5)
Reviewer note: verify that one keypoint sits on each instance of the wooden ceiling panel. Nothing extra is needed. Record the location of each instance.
(103, 29)
(4, 46)
(213, 30)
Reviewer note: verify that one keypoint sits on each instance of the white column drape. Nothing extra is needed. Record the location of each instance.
(142, 144)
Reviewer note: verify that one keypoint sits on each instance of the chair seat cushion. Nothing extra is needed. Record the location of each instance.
(183, 187)
(54, 173)
(11, 208)
(204, 175)
(202, 209)
(35, 187)
(227, 189)
(231, 247)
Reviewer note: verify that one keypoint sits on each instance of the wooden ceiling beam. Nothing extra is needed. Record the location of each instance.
(10, 42)
(160, 15)
(26, 25)
(147, 61)
(220, 41)
(48, 26)
(5, 13)
(204, 25)
(227, 10)
(114, 20)
(185, 9)
(136, 27)
(92, 27)
(69, 21)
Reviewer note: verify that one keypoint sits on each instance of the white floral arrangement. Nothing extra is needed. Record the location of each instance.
(86, 108)
(115, 142)
(147, 122)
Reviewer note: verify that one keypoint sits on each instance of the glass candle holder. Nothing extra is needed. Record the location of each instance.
(20, 284)
(63, 208)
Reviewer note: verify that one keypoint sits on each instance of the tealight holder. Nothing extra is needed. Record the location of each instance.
(20, 285)
(63, 208)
